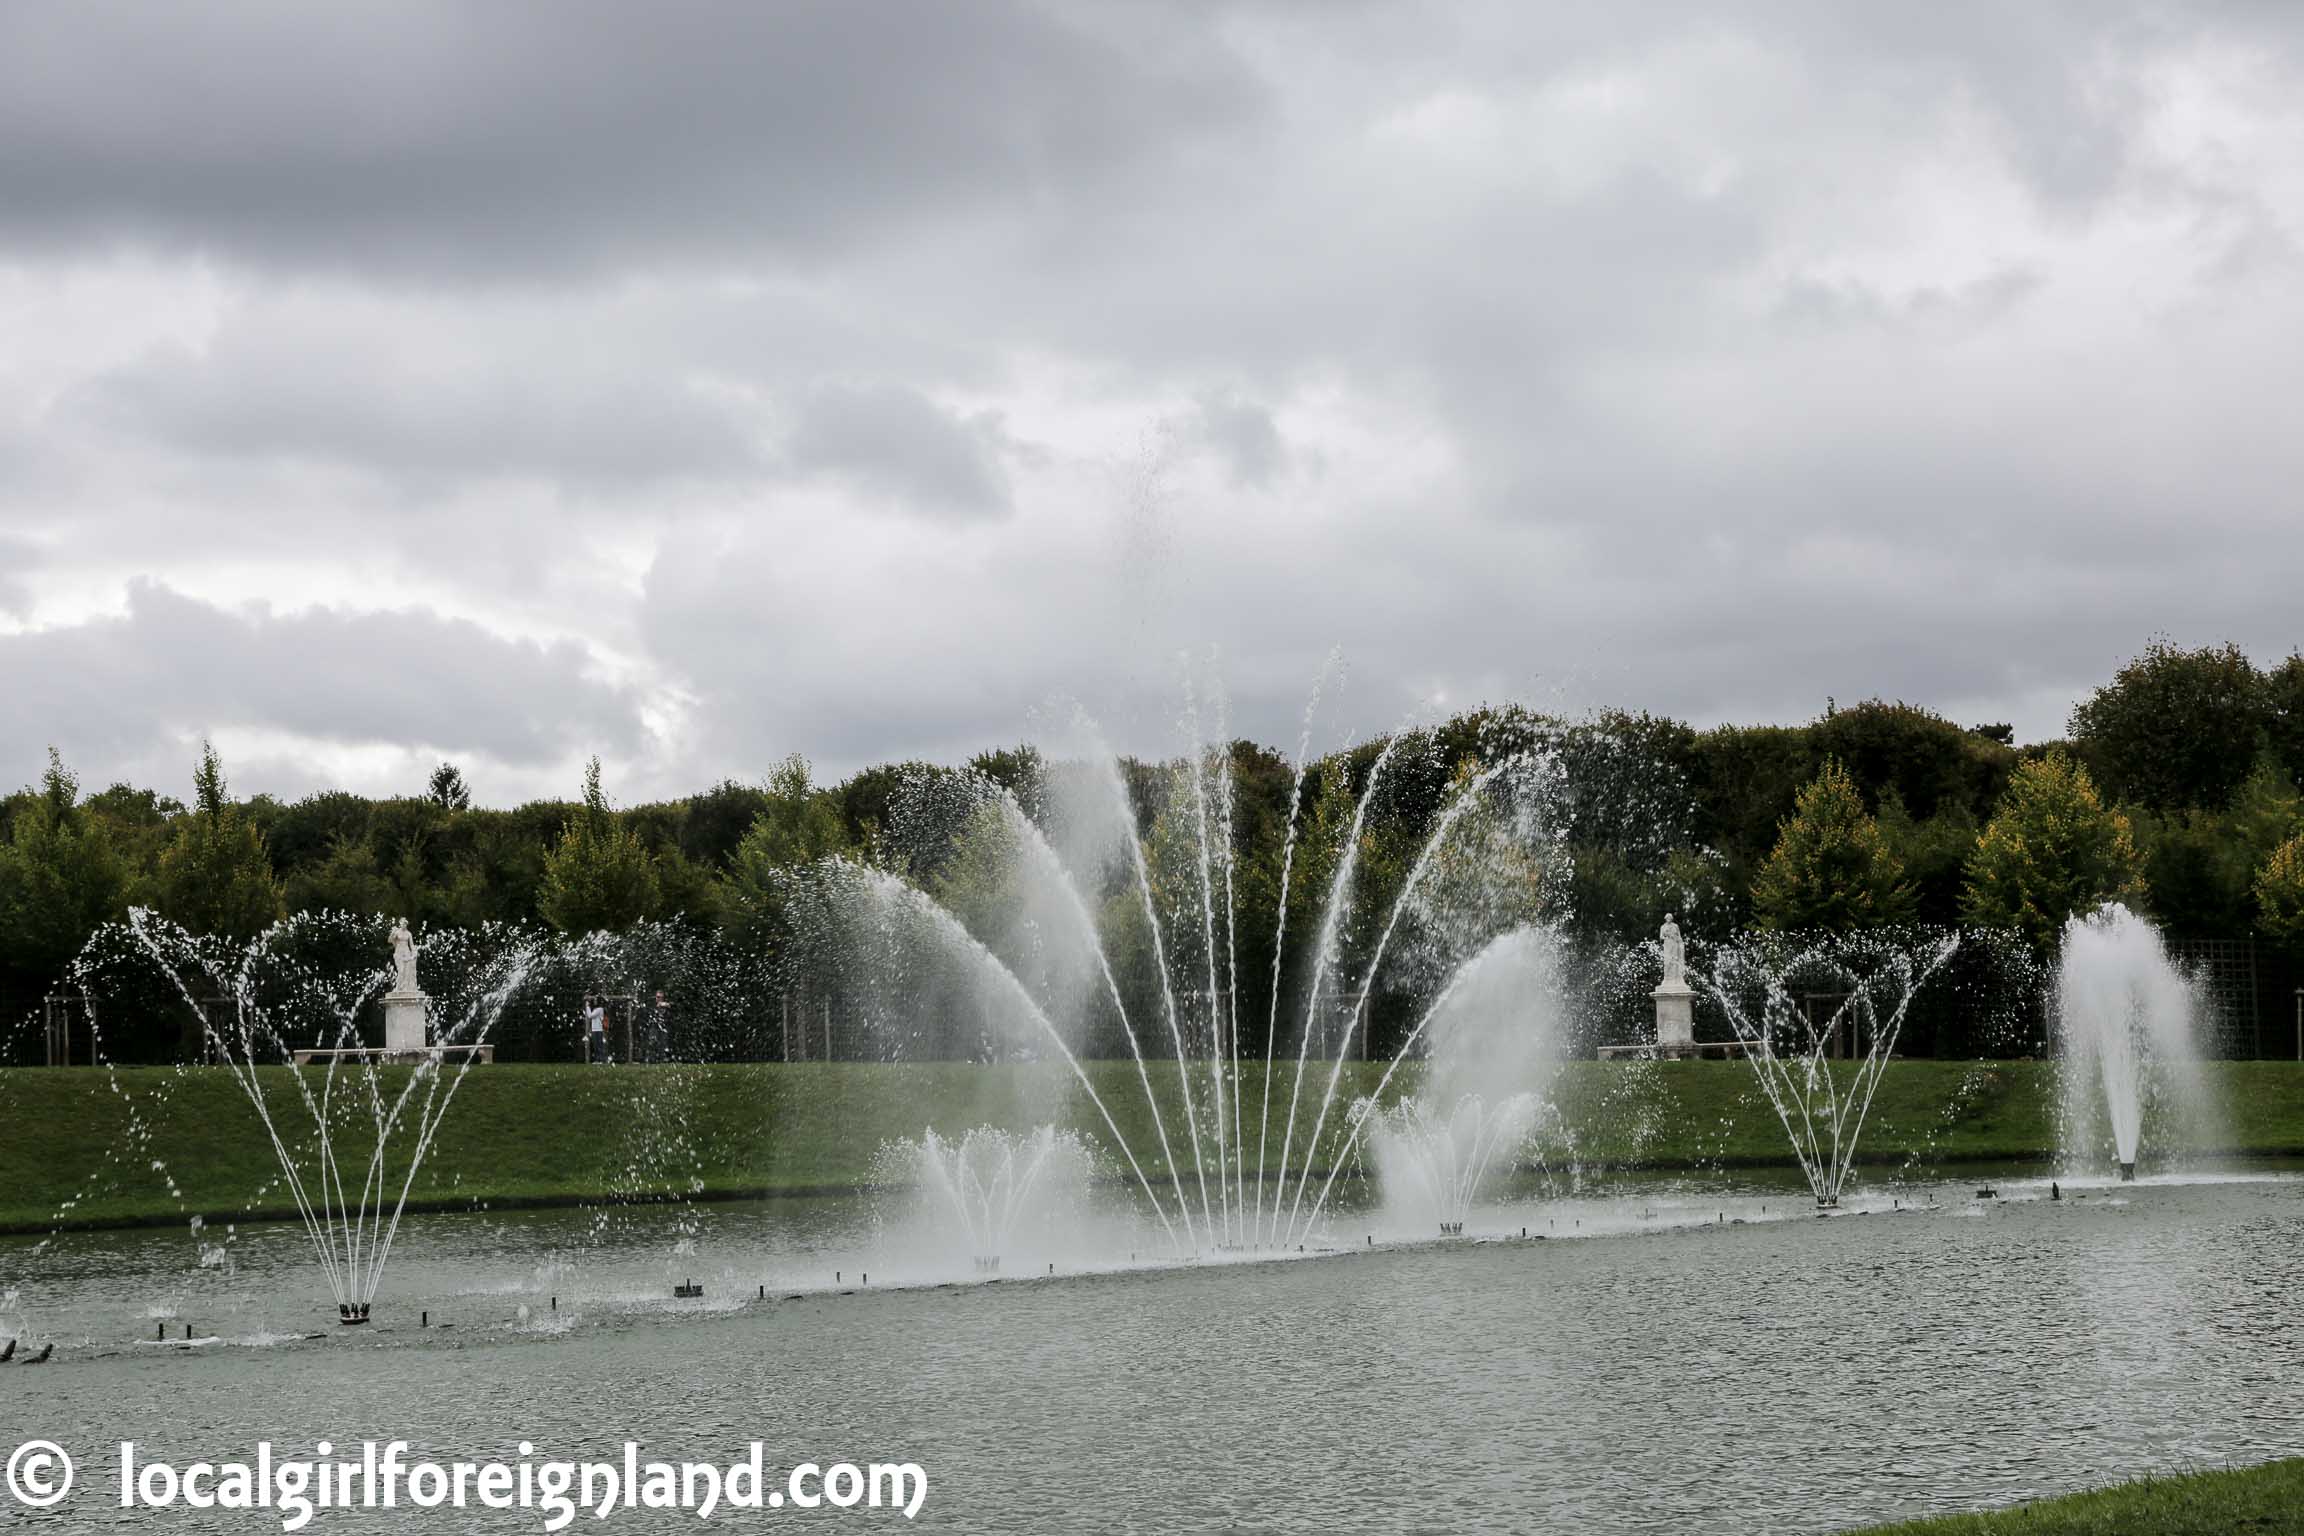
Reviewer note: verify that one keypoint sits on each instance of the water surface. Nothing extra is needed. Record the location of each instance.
(1671, 1357)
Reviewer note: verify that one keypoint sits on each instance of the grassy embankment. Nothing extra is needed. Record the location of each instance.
(94, 1148)
(2266, 1500)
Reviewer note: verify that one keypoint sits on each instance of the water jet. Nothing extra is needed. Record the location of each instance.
(2127, 1019)
(1771, 1000)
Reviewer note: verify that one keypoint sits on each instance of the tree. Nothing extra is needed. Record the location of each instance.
(2284, 715)
(2202, 865)
(2051, 850)
(717, 820)
(1831, 868)
(446, 788)
(599, 876)
(60, 877)
(2176, 729)
(797, 825)
(2280, 893)
(1932, 764)
(216, 875)
(1934, 853)
(347, 880)
(1018, 770)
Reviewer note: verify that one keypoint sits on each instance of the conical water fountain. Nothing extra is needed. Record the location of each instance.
(350, 1125)
(1800, 1011)
(2127, 1023)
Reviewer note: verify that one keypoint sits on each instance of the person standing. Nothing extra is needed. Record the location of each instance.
(596, 1030)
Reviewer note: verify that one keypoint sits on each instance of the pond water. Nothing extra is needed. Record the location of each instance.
(1656, 1356)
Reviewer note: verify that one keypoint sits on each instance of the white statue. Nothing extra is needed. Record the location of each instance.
(404, 956)
(1675, 952)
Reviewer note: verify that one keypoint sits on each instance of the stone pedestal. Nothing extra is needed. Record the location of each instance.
(404, 1023)
(1675, 1019)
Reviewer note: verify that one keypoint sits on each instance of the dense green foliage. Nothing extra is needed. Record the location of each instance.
(571, 1133)
(60, 875)
(216, 874)
(2178, 793)
(2175, 730)
(598, 876)
(2052, 850)
(1831, 867)
(2266, 1500)
(2280, 892)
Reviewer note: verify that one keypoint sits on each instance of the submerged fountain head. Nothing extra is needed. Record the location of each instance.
(2127, 1173)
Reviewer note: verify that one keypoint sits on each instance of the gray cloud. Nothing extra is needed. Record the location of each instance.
(125, 690)
(1243, 435)
(866, 386)
(896, 442)
(18, 560)
(427, 420)
(558, 133)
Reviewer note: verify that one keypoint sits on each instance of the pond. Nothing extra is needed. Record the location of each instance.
(1656, 1356)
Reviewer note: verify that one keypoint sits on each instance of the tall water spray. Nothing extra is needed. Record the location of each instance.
(1494, 1048)
(1079, 925)
(2127, 1021)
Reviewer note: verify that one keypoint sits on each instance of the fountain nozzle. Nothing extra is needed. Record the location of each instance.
(351, 1314)
(2127, 1173)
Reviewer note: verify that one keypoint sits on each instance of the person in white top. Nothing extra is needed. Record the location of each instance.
(596, 1030)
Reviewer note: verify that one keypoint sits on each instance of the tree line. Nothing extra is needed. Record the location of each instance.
(2175, 791)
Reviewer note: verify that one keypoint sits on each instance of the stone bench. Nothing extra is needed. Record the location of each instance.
(1649, 1051)
(481, 1055)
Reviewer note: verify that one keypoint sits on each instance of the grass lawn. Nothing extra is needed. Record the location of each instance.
(88, 1147)
(2266, 1501)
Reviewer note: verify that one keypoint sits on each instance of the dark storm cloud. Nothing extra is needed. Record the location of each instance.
(113, 689)
(541, 134)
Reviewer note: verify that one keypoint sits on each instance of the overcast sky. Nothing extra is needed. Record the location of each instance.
(698, 383)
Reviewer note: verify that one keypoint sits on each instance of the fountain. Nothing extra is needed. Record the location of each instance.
(981, 1187)
(1019, 919)
(1852, 994)
(350, 1174)
(1493, 1047)
(2126, 1020)
(1438, 1163)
